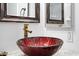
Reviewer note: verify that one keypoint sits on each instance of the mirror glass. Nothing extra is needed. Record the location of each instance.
(21, 9)
(55, 11)
(60, 15)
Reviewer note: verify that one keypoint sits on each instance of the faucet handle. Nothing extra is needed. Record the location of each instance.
(30, 31)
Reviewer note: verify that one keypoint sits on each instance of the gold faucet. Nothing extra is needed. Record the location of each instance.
(26, 31)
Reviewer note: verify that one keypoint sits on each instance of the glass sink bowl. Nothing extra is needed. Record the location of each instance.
(39, 46)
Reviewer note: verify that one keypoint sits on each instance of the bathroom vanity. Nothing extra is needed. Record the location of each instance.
(60, 15)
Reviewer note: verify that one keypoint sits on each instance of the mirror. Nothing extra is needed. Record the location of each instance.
(55, 13)
(60, 15)
(22, 11)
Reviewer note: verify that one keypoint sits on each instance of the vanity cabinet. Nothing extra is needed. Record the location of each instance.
(20, 12)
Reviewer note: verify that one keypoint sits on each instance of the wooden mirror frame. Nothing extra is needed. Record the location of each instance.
(23, 19)
(53, 21)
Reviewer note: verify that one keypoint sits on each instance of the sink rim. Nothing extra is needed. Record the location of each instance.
(40, 46)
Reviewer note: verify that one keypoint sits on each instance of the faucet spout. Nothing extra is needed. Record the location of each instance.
(30, 31)
(26, 31)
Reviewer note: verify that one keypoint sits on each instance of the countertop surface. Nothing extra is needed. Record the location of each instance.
(59, 53)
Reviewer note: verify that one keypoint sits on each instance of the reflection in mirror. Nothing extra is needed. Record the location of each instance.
(21, 9)
(67, 18)
(55, 13)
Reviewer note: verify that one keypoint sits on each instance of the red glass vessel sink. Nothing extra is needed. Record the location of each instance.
(39, 46)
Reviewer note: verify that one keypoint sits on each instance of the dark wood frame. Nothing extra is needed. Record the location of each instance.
(53, 21)
(24, 19)
(1, 10)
